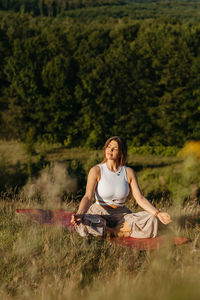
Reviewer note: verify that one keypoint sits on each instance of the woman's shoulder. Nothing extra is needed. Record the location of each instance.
(95, 173)
(95, 170)
(130, 171)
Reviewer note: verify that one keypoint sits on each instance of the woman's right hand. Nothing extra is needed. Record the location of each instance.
(76, 219)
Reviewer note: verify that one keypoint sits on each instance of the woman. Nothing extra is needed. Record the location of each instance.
(111, 182)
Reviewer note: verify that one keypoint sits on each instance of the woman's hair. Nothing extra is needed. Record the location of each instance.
(122, 149)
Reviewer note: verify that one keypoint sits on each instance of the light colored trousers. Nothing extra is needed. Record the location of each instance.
(137, 225)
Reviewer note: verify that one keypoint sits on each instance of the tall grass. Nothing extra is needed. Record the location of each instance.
(44, 262)
(50, 262)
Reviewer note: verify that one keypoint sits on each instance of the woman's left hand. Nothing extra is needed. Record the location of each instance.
(164, 217)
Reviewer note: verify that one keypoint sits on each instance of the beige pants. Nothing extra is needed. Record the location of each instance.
(123, 222)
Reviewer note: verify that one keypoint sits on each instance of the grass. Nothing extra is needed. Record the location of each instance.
(14, 152)
(161, 178)
(44, 262)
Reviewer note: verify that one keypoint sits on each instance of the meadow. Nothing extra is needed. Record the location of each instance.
(49, 262)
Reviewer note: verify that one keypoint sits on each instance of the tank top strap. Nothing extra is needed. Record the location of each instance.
(101, 170)
(125, 172)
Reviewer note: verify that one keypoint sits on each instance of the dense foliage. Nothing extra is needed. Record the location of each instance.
(67, 80)
(54, 7)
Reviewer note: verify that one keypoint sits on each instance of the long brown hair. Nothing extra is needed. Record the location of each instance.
(122, 149)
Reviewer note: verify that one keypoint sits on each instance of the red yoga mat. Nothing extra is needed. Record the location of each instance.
(63, 218)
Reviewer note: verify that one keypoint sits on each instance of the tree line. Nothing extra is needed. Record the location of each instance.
(76, 83)
(52, 8)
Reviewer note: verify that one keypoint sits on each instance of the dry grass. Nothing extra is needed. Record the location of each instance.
(43, 262)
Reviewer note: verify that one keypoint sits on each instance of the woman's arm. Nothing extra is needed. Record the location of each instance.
(86, 201)
(142, 201)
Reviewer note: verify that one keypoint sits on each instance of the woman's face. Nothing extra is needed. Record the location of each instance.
(112, 151)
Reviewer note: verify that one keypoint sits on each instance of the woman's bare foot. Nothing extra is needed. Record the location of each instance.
(121, 230)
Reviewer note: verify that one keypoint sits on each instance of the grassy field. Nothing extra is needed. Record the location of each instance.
(44, 262)
(15, 161)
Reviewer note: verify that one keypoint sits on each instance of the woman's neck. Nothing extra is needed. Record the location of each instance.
(112, 165)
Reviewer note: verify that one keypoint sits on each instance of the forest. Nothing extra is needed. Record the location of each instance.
(80, 75)
(74, 72)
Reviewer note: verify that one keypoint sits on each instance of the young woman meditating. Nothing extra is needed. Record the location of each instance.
(111, 182)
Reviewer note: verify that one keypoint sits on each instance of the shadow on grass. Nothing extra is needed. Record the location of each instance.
(189, 222)
(13, 177)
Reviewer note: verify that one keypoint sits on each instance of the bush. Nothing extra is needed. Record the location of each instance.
(184, 182)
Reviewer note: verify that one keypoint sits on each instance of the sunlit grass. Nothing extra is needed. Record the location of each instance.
(49, 262)
(15, 165)
(44, 262)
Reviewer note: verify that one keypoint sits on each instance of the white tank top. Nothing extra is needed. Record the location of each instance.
(113, 187)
